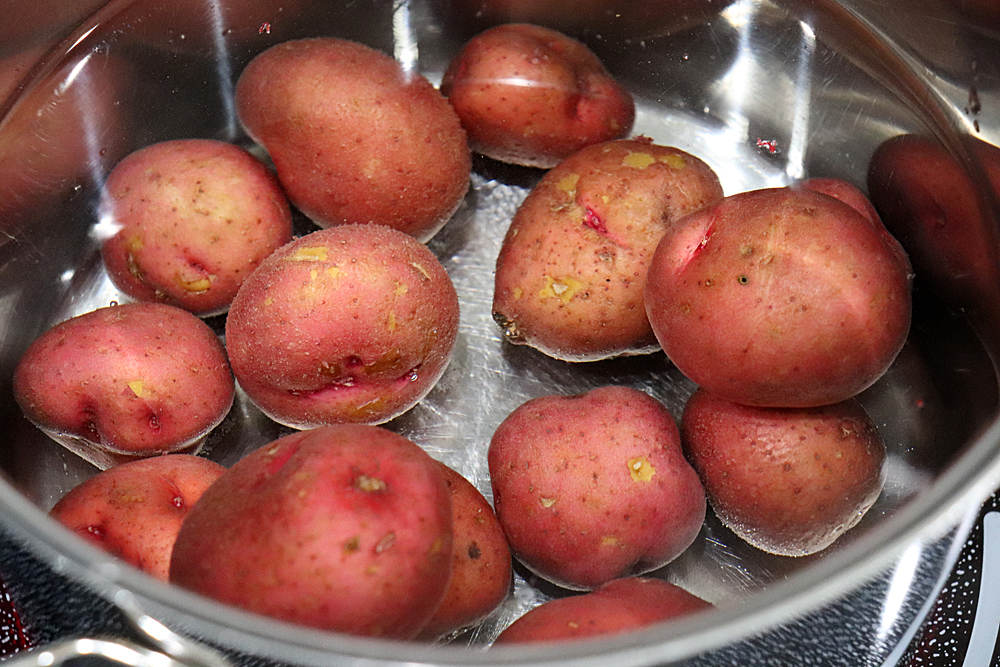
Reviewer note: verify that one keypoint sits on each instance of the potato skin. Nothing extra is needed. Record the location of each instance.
(780, 297)
(789, 481)
(354, 323)
(481, 567)
(355, 138)
(126, 381)
(345, 528)
(594, 487)
(532, 96)
(135, 510)
(571, 273)
(192, 218)
(618, 606)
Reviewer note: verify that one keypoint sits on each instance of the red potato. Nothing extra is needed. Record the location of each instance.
(930, 202)
(533, 96)
(780, 297)
(618, 606)
(135, 510)
(594, 487)
(188, 220)
(789, 481)
(354, 323)
(847, 193)
(125, 382)
(481, 571)
(345, 528)
(62, 130)
(354, 137)
(571, 273)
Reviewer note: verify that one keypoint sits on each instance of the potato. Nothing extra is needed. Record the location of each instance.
(126, 381)
(355, 137)
(780, 297)
(789, 481)
(533, 96)
(571, 272)
(60, 132)
(135, 510)
(354, 323)
(618, 606)
(594, 487)
(188, 220)
(481, 568)
(345, 528)
(930, 202)
(845, 192)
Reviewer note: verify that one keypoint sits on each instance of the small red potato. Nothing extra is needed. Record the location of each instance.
(618, 606)
(354, 323)
(533, 96)
(481, 567)
(135, 510)
(571, 273)
(354, 137)
(930, 202)
(188, 220)
(594, 487)
(125, 382)
(781, 297)
(789, 481)
(345, 528)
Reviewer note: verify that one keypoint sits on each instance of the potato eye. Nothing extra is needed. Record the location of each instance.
(742, 279)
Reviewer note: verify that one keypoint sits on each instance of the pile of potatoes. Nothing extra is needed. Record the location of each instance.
(781, 305)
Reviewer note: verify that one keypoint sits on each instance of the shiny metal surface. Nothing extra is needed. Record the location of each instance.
(765, 92)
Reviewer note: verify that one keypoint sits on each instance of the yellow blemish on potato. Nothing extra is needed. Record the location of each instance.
(437, 548)
(333, 272)
(369, 484)
(421, 269)
(268, 301)
(313, 274)
(134, 243)
(563, 288)
(605, 198)
(641, 469)
(518, 293)
(573, 624)
(401, 289)
(638, 160)
(674, 160)
(136, 387)
(568, 183)
(197, 286)
(392, 321)
(310, 254)
(609, 541)
(547, 502)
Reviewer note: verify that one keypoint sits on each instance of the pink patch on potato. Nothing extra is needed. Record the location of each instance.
(789, 481)
(618, 606)
(188, 220)
(345, 528)
(781, 297)
(354, 323)
(533, 96)
(126, 381)
(594, 487)
(135, 510)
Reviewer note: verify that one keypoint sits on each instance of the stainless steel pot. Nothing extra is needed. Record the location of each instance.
(765, 92)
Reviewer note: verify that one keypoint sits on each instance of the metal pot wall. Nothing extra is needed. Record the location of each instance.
(765, 92)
